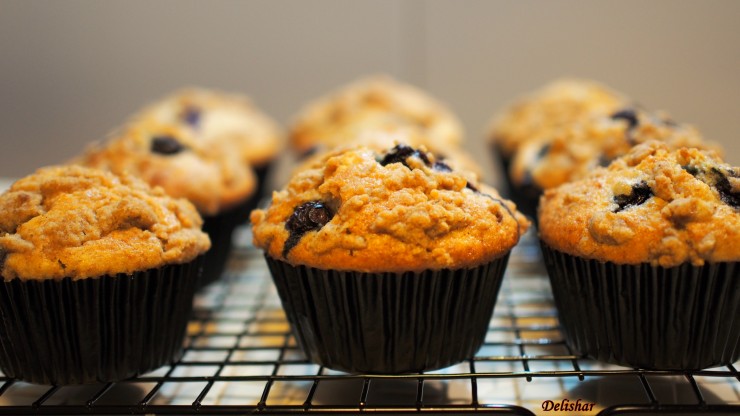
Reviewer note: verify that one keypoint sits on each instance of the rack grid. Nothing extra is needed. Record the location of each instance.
(240, 357)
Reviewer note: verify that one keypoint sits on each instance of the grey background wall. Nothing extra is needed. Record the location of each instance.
(70, 71)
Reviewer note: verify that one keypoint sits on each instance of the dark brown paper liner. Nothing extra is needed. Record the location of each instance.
(679, 318)
(504, 161)
(526, 197)
(388, 322)
(95, 330)
(263, 175)
(219, 228)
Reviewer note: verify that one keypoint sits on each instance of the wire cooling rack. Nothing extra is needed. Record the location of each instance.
(241, 358)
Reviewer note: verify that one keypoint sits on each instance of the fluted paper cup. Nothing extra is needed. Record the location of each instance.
(679, 318)
(388, 322)
(95, 330)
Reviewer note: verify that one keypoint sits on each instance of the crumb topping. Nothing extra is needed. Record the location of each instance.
(220, 119)
(655, 205)
(558, 103)
(393, 211)
(167, 155)
(378, 104)
(77, 222)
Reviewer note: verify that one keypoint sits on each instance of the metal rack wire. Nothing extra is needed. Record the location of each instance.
(241, 358)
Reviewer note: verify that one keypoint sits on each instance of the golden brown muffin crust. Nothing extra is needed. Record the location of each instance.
(576, 149)
(558, 103)
(77, 222)
(221, 119)
(375, 103)
(653, 206)
(169, 156)
(380, 141)
(395, 217)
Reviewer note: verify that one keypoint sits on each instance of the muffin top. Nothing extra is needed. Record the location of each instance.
(556, 104)
(72, 221)
(396, 211)
(220, 119)
(374, 103)
(168, 155)
(381, 141)
(653, 205)
(576, 149)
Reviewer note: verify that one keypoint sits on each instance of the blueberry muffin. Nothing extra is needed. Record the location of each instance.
(221, 119)
(643, 259)
(365, 249)
(535, 116)
(572, 151)
(217, 182)
(98, 274)
(377, 103)
(556, 104)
